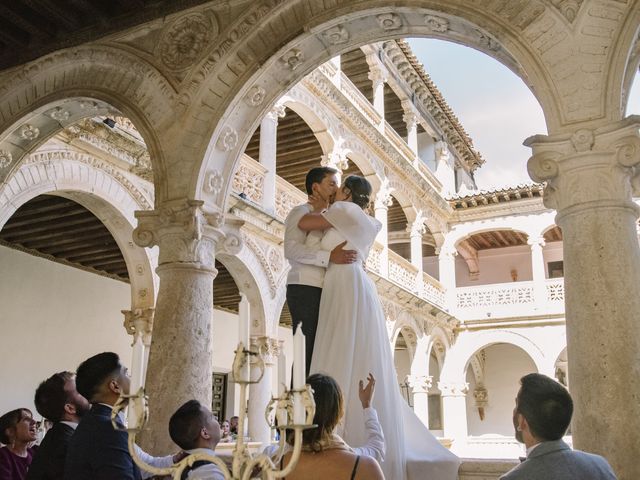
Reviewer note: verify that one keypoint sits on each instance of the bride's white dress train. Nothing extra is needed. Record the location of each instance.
(352, 341)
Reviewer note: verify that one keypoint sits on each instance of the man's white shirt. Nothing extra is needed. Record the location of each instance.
(302, 250)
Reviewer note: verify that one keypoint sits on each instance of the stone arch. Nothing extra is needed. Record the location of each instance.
(313, 118)
(333, 30)
(408, 325)
(438, 344)
(61, 88)
(100, 188)
(461, 232)
(623, 66)
(458, 357)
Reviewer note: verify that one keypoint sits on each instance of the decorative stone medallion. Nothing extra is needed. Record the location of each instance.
(293, 58)
(436, 24)
(336, 35)
(59, 114)
(5, 158)
(389, 21)
(29, 132)
(255, 96)
(213, 182)
(184, 41)
(228, 139)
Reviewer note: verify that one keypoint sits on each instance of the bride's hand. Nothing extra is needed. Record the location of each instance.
(366, 393)
(318, 203)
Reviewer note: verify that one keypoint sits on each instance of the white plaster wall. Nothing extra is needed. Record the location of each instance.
(551, 252)
(504, 367)
(496, 265)
(402, 360)
(52, 318)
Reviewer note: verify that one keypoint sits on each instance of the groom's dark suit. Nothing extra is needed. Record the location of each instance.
(49, 460)
(99, 452)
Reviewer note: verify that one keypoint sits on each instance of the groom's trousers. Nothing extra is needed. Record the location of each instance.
(304, 306)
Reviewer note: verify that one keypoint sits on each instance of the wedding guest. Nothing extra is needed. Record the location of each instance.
(541, 418)
(233, 425)
(17, 432)
(97, 451)
(225, 435)
(324, 453)
(195, 430)
(56, 400)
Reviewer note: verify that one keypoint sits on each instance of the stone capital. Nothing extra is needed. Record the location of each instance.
(536, 242)
(411, 119)
(589, 168)
(186, 234)
(377, 75)
(420, 383)
(269, 348)
(278, 111)
(453, 389)
(336, 159)
(418, 227)
(445, 251)
(383, 197)
(139, 322)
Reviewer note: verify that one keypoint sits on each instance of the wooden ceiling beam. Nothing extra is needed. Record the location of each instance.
(55, 235)
(46, 227)
(46, 216)
(64, 239)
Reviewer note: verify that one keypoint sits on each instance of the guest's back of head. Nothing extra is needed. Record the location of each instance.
(546, 405)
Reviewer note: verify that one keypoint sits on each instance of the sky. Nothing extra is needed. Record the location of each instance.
(494, 106)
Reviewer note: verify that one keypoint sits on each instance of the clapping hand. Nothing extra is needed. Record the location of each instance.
(366, 393)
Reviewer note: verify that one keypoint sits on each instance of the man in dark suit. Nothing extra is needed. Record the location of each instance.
(97, 451)
(541, 418)
(56, 400)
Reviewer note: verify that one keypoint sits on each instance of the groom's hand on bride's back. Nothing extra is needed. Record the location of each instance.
(338, 255)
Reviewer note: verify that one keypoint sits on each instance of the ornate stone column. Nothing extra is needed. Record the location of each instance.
(537, 269)
(260, 393)
(454, 410)
(139, 324)
(590, 176)
(381, 207)
(267, 154)
(447, 274)
(180, 358)
(420, 385)
(378, 77)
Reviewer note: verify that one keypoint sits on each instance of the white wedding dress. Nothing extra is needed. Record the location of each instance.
(352, 340)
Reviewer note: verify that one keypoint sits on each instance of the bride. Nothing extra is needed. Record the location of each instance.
(352, 341)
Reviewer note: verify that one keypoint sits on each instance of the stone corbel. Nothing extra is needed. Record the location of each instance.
(139, 322)
(481, 399)
(383, 197)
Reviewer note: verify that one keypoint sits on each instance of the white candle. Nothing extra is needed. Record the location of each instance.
(244, 321)
(137, 371)
(299, 368)
(282, 374)
(299, 376)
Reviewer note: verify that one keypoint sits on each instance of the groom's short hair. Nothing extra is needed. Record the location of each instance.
(316, 175)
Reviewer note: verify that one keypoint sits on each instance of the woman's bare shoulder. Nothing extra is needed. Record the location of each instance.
(369, 469)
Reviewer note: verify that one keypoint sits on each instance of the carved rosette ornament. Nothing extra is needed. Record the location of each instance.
(420, 383)
(255, 96)
(213, 182)
(228, 139)
(588, 169)
(185, 40)
(29, 132)
(139, 322)
(293, 58)
(5, 158)
(185, 234)
(336, 35)
(436, 24)
(389, 21)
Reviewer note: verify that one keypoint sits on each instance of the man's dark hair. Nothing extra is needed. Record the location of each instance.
(10, 420)
(329, 410)
(51, 397)
(546, 405)
(95, 370)
(316, 175)
(360, 190)
(185, 425)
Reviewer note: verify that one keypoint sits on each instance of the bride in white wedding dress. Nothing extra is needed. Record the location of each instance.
(352, 341)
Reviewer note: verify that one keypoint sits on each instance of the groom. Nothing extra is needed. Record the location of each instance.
(308, 262)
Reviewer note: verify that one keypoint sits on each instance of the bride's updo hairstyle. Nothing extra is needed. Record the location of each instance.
(360, 190)
(329, 411)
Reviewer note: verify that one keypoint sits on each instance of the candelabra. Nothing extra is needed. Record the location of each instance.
(293, 410)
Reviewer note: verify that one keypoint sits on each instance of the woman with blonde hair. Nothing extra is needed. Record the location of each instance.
(324, 454)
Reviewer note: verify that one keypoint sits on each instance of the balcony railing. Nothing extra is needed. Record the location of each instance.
(287, 197)
(249, 179)
(509, 300)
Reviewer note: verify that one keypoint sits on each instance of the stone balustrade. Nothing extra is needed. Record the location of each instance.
(508, 300)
